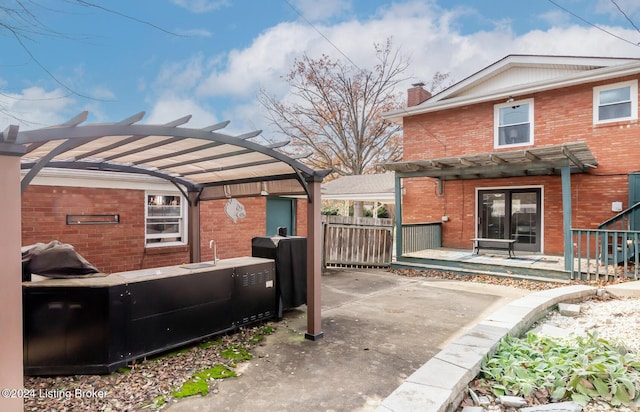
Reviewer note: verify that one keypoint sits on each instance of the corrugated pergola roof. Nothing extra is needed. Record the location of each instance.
(203, 160)
(544, 160)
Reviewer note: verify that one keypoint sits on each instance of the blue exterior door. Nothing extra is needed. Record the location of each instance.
(281, 212)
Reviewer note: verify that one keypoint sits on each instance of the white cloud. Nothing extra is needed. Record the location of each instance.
(243, 72)
(35, 107)
(102, 93)
(195, 32)
(168, 108)
(432, 36)
(180, 76)
(630, 8)
(201, 6)
(556, 18)
(315, 10)
(429, 35)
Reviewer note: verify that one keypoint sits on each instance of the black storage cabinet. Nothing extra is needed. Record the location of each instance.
(96, 329)
(290, 255)
(70, 330)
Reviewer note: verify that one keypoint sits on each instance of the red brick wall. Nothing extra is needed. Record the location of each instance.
(233, 239)
(458, 202)
(111, 248)
(120, 247)
(560, 116)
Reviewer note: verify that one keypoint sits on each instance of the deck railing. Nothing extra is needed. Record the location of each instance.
(419, 236)
(350, 241)
(625, 220)
(599, 253)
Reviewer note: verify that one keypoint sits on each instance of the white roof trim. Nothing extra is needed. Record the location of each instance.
(440, 102)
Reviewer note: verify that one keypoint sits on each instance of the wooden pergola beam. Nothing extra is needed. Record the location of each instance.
(573, 158)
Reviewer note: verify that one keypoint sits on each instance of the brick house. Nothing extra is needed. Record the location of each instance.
(56, 194)
(525, 149)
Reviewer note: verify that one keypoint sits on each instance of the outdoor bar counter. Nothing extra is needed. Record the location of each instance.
(97, 324)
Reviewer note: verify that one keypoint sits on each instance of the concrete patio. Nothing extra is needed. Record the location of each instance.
(379, 328)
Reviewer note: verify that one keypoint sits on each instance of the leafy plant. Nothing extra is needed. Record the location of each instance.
(581, 369)
(330, 211)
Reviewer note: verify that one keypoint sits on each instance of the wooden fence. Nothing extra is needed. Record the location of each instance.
(359, 241)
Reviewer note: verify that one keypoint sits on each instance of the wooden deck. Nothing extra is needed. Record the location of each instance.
(523, 265)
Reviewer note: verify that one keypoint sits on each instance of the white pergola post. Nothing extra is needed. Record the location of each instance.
(11, 372)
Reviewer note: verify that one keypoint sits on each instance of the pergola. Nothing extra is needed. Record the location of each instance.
(564, 159)
(203, 163)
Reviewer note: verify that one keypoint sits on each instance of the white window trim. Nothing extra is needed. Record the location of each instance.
(496, 124)
(633, 84)
(184, 212)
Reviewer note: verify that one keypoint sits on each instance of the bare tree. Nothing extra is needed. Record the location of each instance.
(335, 111)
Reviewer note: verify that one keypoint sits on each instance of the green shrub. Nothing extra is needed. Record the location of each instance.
(332, 211)
(581, 369)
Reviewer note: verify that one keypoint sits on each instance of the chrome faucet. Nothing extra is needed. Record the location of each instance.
(214, 246)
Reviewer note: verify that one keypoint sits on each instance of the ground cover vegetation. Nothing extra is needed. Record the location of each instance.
(154, 382)
(543, 369)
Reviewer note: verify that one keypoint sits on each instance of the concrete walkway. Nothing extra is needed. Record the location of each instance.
(379, 329)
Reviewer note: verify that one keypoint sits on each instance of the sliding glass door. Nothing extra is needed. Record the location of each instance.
(511, 214)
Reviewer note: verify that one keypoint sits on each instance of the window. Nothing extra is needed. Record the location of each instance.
(615, 102)
(513, 124)
(165, 220)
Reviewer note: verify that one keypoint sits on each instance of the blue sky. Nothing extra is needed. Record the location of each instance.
(210, 58)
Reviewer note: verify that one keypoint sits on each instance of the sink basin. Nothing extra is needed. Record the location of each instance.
(142, 273)
(198, 265)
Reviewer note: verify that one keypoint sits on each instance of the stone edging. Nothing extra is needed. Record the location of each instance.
(439, 384)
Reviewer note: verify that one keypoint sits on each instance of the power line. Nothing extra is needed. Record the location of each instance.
(625, 15)
(126, 16)
(35, 100)
(593, 25)
(321, 34)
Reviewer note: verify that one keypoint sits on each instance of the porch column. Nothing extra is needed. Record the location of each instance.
(565, 173)
(11, 273)
(194, 227)
(398, 212)
(314, 261)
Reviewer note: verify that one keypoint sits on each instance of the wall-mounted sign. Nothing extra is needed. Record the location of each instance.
(235, 210)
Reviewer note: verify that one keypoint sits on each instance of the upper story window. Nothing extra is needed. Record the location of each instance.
(615, 102)
(513, 124)
(165, 222)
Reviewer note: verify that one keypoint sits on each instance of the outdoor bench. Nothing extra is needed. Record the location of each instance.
(496, 244)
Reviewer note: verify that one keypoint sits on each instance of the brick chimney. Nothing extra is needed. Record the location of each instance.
(417, 94)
